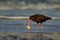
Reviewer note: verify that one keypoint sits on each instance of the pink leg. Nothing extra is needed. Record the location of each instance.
(37, 28)
(41, 27)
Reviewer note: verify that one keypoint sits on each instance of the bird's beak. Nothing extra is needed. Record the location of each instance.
(28, 27)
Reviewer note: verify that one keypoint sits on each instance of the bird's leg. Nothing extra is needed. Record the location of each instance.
(37, 28)
(28, 26)
(41, 26)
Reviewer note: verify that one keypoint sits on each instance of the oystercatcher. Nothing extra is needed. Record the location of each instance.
(38, 18)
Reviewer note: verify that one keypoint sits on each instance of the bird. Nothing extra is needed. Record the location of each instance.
(39, 19)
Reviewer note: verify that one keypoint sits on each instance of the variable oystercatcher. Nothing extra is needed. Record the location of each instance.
(38, 18)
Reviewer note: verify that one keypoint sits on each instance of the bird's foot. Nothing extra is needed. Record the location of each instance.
(28, 27)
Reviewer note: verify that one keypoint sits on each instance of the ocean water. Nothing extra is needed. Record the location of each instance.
(50, 26)
(20, 25)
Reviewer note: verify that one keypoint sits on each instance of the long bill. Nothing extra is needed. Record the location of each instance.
(28, 26)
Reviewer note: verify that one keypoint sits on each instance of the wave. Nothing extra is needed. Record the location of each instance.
(39, 6)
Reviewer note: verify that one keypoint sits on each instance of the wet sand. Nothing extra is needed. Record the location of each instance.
(29, 36)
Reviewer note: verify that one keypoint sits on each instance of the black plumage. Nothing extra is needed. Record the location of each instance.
(39, 18)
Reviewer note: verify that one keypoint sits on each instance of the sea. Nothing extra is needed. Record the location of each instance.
(16, 29)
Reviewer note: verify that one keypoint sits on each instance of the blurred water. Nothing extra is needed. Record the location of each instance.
(20, 25)
(50, 26)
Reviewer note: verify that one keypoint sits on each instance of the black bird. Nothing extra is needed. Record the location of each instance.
(38, 18)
